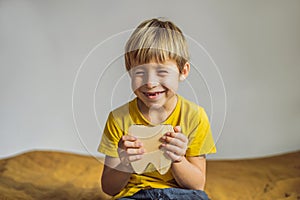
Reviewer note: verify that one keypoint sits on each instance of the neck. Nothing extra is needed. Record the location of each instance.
(157, 115)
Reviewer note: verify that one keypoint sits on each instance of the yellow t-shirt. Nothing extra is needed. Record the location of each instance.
(194, 124)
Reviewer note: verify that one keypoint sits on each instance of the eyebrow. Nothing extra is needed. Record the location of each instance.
(158, 65)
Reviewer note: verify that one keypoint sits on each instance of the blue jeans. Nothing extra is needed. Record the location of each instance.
(168, 194)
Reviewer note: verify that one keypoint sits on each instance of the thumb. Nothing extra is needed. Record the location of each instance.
(177, 129)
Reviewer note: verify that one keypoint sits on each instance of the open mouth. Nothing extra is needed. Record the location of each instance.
(152, 94)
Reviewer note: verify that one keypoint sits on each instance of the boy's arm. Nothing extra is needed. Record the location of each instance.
(115, 176)
(117, 171)
(190, 172)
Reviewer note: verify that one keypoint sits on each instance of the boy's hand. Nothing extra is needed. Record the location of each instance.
(130, 149)
(175, 144)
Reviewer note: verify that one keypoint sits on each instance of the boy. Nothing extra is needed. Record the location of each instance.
(156, 58)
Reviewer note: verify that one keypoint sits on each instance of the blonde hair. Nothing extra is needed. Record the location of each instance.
(156, 40)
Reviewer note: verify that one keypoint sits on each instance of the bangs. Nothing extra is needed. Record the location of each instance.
(147, 55)
(155, 44)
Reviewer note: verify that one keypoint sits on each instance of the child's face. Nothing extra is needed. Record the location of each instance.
(156, 84)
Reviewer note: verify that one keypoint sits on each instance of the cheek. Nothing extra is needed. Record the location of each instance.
(136, 83)
(171, 84)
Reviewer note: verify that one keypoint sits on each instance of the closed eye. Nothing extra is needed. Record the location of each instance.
(139, 73)
(163, 72)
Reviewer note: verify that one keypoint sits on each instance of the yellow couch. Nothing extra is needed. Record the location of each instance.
(48, 175)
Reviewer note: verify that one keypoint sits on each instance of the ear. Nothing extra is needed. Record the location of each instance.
(185, 71)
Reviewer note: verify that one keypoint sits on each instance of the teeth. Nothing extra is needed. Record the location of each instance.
(152, 94)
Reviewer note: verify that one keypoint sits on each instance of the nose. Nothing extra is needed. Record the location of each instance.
(152, 84)
(151, 80)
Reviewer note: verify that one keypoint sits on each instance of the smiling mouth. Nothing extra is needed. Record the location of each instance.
(152, 94)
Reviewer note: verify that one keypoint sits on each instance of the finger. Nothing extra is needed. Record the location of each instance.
(177, 129)
(129, 138)
(135, 144)
(174, 149)
(174, 142)
(129, 141)
(181, 137)
(135, 158)
(126, 160)
(134, 151)
(173, 156)
(168, 137)
(125, 138)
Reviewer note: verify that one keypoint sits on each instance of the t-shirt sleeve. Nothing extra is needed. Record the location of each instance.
(110, 137)
(200, 139)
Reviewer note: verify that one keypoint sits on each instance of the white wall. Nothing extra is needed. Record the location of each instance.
(254, 44)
